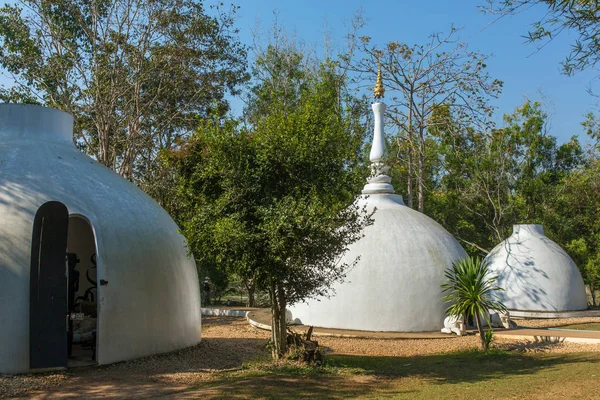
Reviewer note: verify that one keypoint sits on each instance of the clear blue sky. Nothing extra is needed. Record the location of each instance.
(525, 72)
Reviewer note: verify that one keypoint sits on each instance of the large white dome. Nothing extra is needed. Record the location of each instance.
(536, 273)
(396, 284)
(147, 296)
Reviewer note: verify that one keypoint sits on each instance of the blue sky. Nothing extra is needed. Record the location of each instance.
(525, 72)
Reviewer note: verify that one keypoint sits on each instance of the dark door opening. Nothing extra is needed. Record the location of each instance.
(83, 292)
(48, 287)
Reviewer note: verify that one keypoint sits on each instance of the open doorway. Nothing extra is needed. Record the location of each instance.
(83, 293)
(63, 291)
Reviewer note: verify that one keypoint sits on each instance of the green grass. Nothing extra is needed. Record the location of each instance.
(591, 326)
(472, 375)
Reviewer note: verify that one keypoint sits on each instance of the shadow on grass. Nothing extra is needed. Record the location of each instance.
(469, 366)
(398, 377)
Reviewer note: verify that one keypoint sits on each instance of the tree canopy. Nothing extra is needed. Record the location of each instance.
(136, 74)
(274, 201)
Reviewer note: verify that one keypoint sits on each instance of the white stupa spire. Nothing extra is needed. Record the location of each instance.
(379, 181)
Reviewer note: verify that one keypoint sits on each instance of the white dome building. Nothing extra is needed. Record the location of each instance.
(134, 291)
(537, 275)
(396, 285)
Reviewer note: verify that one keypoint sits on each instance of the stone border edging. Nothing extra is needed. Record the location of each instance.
(266, 327)
(553, 314)
(216, 312)
(257, 324)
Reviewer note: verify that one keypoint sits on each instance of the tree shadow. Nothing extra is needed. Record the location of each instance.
(469, 366)
(210, 321)
(387, 377)
(147, 377)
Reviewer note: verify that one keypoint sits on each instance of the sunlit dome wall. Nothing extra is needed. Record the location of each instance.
(148, 298)
(403, 257)
(536, 273)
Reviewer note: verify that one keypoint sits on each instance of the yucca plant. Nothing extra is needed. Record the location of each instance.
(471, 290)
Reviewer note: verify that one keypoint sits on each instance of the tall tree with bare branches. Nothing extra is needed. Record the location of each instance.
(136, 74)
(418, 78)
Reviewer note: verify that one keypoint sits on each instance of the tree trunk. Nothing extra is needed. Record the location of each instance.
(481, 334)
(593, 293)
(409, 183)
(420, 184)
(278, 323)
(409, 189)
(250, 288)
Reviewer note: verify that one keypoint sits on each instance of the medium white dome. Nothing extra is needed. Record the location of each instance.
(147, 294)
(396, 285)
(536, 273)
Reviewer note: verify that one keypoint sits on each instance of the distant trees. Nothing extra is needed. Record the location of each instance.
(273, 201)
(486, 181)
(135, 74)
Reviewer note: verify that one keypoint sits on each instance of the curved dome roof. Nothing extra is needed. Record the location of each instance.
(536, 273)
(395, 286)
(150, 303)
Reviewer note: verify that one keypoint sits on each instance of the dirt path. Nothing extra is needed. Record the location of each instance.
(226, 344)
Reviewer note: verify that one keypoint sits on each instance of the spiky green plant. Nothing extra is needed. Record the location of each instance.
(471, 290)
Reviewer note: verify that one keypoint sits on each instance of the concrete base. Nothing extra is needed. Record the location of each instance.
(516, 314)
(223, 312)
(261, 319)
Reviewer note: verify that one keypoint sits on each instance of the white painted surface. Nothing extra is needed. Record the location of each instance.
(151, 303)
(216, 312)
(536, 273)
(378, 147)
(396, 284)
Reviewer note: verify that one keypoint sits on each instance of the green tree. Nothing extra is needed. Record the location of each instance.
(274, 200)
(574, 221)
(486, 182)
(136, 74)
(472, 291)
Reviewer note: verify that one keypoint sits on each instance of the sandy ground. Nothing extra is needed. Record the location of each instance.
(226, 344)
(550, 323)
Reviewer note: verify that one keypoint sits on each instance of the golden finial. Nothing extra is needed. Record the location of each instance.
(379, 91)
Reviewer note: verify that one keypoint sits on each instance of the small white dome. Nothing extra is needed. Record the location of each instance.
(146, 297)
(396, 285)
(536, 273)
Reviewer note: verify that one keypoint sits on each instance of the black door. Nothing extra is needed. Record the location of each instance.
(48, 296)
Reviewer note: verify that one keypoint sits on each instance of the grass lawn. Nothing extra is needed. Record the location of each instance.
(472, 375)
(592, 326)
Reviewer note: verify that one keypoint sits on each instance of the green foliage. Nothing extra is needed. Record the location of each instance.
(470, 288)
(135, 74)
(483, 183)
(472, 291)
(574, 220)
(488, 338)
(273, 201)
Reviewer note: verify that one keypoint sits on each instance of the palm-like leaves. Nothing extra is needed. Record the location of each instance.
(471, 290)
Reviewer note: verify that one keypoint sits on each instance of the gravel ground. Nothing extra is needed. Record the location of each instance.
(551, 323)
(226, 344)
